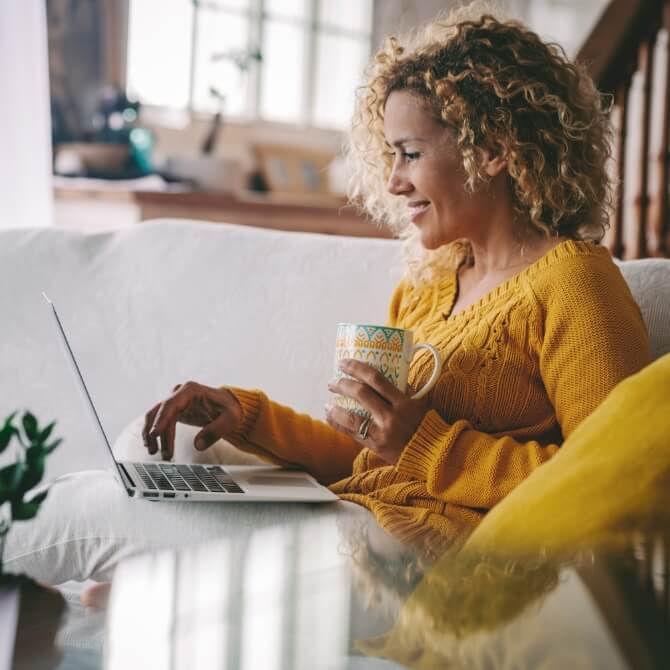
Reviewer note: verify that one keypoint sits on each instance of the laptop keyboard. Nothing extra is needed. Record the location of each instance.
(169, 477)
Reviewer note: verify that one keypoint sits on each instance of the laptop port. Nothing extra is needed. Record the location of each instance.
(148, 494)
(168, 495)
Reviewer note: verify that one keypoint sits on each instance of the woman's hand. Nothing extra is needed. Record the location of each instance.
(395, 416)
(217, 411)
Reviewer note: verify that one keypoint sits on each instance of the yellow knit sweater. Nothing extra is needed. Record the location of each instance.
(523, 367)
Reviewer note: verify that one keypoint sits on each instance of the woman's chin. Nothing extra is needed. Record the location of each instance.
(430, 241)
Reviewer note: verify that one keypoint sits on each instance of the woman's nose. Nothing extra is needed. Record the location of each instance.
(397, 183)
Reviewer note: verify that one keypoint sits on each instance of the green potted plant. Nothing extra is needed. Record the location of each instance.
(25, 471)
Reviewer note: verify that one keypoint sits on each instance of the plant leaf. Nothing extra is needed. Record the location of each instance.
(35, 457)
(17, 479)
(11, 475)
(44, 435)
(50, 447)
(6, 436)
(9, 419)
(22, 511)
(11, 478)
(6, 493)
(30, 426)
(7, 432)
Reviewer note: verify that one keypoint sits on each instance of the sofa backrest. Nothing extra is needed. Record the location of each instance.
(164, 302)
(649, 282)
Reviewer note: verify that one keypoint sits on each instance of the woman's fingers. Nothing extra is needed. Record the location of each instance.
(363, 394)
(165, 416)
(167, 441)
(150, 442)
(169, 409)
(373, 378)
(346, 422)
(216, 409)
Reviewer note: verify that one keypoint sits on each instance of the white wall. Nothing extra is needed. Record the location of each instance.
(567, 22)
(25, 124)
(396, 16)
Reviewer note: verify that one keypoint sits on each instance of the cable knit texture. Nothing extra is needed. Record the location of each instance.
(523, 367)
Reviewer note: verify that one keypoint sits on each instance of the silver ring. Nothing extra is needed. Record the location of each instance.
(363, 428)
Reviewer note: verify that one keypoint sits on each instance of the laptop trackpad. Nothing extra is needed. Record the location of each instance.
(269, 480)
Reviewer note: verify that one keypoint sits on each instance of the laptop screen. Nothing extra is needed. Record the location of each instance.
(86, 395)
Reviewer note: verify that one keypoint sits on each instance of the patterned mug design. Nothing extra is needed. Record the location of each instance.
(389, 350)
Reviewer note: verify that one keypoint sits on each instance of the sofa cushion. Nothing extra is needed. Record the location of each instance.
(649, 282)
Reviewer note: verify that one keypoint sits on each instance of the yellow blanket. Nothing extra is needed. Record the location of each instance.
(611, 478)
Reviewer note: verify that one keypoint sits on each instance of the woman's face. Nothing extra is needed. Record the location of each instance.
(428, 172)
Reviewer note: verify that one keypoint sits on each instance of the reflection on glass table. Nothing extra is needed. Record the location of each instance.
(42, 628)
(342, 594)
(30, 617)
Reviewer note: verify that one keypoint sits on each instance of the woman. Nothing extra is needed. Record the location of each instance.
(486, 150)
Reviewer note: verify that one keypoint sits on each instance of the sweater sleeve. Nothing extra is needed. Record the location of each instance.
(281, 435)
(594, 337)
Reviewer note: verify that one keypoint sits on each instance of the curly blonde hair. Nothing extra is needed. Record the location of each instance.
(500, 88)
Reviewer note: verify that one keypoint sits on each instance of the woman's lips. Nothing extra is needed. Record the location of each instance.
(417, 209)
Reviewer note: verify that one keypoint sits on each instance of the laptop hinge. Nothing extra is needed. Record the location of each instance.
(129, 485)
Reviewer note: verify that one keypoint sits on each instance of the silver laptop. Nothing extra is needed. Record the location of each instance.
(163, 480)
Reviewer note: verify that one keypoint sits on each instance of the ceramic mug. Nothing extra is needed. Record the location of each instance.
(389, 350)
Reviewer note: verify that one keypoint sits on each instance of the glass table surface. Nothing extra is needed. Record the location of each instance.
(335, 593)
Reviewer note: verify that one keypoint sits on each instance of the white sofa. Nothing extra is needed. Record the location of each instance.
(167, 301)
(161, 303)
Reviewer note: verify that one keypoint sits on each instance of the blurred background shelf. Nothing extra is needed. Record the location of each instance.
(98, 205)
(328, 215)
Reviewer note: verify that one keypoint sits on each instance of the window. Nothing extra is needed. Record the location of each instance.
(313, 54)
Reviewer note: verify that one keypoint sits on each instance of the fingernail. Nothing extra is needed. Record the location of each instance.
(200, 444)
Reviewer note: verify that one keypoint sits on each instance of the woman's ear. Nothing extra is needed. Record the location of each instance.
(494, 164)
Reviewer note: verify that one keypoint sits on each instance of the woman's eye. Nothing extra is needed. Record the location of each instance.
(406, 155)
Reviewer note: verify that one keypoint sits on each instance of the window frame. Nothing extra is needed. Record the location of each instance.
(258, 16)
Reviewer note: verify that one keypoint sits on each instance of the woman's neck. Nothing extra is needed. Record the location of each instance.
(504, 255)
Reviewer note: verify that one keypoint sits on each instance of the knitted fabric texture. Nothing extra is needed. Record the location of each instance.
(523, 367)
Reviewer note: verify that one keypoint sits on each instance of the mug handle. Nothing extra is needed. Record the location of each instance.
(436, 371)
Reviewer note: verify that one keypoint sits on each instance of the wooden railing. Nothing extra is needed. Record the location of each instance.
(628, 55)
